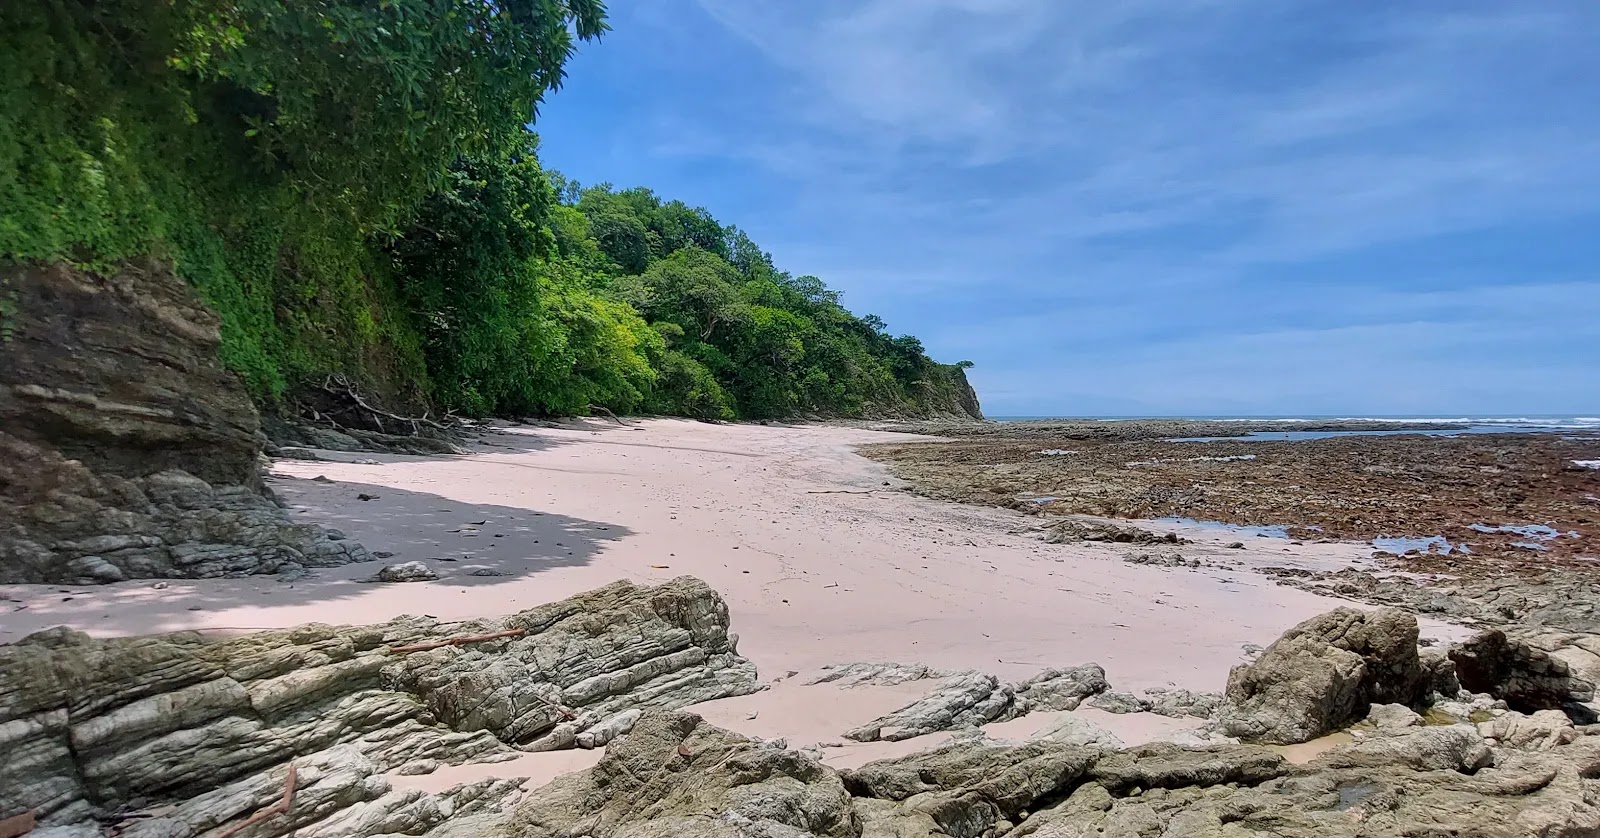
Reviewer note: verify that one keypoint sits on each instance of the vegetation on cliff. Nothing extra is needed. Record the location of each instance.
(353, 186)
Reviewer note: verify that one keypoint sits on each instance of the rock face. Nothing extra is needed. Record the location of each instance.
(677, 777)
(121, 373)
(204, 731)
(1533, 671)
(126, 450)
(1324, 674)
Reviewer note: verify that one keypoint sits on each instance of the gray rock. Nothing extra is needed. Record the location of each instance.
(1543, 730)
(607, 731)
(1452, 748)
(967, 700)
(407, 572)
(1178, 703)
(1063, 689)
(1440, 672)
(1071, 730)
(1324, 674)
(204, 728)
(93, 569)
(876, 674)
(1113, 702)
(1392, 716)
(1532, 670)
(127, 450)
(675, 775)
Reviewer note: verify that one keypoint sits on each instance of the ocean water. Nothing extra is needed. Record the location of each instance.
(1475, 425)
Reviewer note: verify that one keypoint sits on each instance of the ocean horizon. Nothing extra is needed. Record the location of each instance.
(1507, 421)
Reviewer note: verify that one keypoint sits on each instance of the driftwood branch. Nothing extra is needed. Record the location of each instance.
(564, 712)
(840, 492)
(607, 412)
(282, 807)
(457, 641)
(17, 825)
(348, 390)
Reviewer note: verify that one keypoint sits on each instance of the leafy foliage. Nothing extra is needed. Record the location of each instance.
(351, 183)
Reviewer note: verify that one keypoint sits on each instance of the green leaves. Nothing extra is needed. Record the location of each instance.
(352, 185)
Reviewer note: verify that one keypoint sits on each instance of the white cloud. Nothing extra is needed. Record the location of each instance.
(1144, 201)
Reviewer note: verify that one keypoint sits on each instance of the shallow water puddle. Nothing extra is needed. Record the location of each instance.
(1400, 544)
(1537, 534)
(1260, 530)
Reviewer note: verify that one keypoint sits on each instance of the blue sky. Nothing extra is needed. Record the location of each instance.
(1147, 207)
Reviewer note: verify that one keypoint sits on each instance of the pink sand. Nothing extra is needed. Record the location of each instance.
(812, 576)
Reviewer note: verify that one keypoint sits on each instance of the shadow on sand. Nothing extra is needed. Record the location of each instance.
(471, 546)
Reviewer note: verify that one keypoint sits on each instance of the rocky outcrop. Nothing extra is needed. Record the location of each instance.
(1533, 670)
(966, 700)
(121, 373)
(204, 731)
(1063, 689)
(1324, 674)
(126, 450)
(677, 776)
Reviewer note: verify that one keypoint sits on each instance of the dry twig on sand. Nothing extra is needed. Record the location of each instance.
(840, 492)
(282, 807)
(457, 641)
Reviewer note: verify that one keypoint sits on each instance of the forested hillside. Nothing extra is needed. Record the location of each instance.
(355, 187)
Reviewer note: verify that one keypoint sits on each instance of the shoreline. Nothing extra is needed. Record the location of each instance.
(821, 555)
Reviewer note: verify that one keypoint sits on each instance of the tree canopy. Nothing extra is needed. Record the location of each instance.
(353, 185)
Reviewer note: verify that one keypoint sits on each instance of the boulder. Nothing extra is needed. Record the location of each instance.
(675, 776)
(1324, 674)
(1392, 717)
(1533, 670)
(1543, 730)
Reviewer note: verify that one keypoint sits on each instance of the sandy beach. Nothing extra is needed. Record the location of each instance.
(822, 557)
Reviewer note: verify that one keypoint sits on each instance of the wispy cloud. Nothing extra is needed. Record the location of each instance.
(1158, 173)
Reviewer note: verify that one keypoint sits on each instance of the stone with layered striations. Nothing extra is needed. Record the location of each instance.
(203, 729)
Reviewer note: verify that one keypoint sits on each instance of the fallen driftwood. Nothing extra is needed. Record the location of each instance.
(841, 492)
(17, 825)
(457, 641)
(282, 807)
(564, 712)
(348, 390)
(598, 409)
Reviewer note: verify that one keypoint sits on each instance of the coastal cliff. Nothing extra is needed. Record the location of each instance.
(126, 450)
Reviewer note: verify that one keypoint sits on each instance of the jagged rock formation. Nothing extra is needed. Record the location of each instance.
(1533, 670)
(969, 699)
(204, 731)
(678, 776)
(1324, 674)
(126, 450)
(965, 699)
